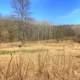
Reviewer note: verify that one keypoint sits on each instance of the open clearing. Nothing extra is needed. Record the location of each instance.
(67, 48)
(40, 61)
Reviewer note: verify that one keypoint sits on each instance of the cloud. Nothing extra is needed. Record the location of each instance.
(74, 13)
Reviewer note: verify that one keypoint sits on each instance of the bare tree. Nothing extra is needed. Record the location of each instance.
(21, 10)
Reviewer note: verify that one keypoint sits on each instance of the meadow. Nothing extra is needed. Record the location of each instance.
(40, 60)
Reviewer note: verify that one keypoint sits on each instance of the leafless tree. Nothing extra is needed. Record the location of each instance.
(21, 10)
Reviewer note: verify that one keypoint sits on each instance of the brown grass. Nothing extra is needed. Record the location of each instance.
(43, 67)
(60, 61)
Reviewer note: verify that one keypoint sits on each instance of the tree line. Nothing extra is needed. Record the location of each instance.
(10, 31)
(19, 28)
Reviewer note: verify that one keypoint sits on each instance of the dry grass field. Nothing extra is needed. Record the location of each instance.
(44, 60)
